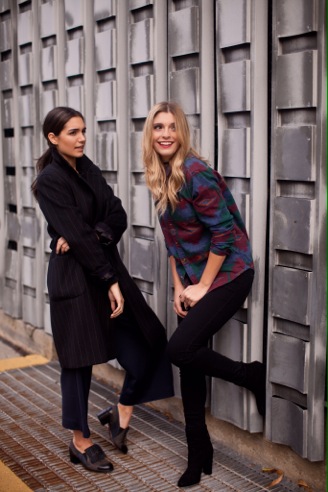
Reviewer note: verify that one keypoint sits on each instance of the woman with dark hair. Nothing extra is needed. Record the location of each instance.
(212, 270)
(97, 311)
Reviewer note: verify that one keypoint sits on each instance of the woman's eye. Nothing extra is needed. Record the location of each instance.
(157, 127)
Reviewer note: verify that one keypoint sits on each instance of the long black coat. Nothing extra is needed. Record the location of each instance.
(83, 209)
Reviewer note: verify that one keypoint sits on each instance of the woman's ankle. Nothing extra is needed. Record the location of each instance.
(80, 442)
(125, 413)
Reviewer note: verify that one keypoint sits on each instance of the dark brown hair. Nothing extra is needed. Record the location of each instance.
(54, 122)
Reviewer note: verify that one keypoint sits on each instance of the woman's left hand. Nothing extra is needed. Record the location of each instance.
(192, 294)
(62, 246)
(116, 300)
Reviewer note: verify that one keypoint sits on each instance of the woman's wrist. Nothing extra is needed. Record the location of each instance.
(205, 284)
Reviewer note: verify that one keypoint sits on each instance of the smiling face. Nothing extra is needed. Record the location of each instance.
(71, 140)
(164, 136)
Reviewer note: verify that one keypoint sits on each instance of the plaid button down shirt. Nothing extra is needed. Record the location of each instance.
(206, 219)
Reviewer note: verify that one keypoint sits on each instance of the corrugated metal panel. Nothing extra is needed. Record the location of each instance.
(297, 325)
(113, 59)
(242, 159)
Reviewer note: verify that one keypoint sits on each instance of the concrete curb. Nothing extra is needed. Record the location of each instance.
(9, 481)
(19, 362)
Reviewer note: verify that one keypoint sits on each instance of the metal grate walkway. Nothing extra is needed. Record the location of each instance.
(35, 446)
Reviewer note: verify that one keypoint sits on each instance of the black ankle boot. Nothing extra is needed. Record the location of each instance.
(255, 381)
(118, 435)
(200, 456)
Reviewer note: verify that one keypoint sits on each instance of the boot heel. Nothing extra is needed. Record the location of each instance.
(104, 416)
(208, 463)
(74, 459)
(207, 467)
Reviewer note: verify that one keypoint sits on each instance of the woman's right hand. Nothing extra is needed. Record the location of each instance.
(116, 300)
(178, 306)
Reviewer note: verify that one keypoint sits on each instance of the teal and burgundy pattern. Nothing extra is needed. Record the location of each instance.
(206, 219)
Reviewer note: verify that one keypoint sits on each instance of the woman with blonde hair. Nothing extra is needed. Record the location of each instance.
(212, 270)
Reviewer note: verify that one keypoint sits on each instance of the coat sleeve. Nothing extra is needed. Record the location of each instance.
(113, 221)
(63, 215)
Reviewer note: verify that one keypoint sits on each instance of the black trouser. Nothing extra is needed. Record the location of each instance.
(188, 347)
(132, 353)
(75, 386)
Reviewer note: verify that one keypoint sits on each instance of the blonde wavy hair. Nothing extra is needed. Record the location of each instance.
(165, 189)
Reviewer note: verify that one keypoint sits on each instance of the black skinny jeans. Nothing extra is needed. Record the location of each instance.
(188, 347)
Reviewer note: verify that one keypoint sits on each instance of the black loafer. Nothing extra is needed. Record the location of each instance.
(93, 458)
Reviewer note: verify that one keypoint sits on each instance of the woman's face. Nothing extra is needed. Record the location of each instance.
(71, 140)
(165, 139)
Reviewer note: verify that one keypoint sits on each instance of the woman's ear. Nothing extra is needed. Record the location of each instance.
(52, 138)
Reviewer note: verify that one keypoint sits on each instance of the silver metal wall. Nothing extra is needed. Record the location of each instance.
(224, 61)
(297, 290)
(242, 94)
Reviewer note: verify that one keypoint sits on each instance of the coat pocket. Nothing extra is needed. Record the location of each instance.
(66, 278)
